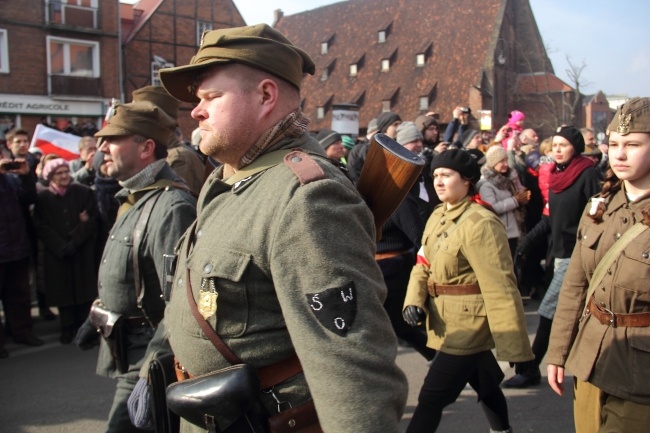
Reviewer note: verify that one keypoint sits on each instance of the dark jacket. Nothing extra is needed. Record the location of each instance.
(17, 193)
(70, 277)
(566, 209)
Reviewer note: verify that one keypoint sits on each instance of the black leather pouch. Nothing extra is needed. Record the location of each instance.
(161, 375)
(218, 400)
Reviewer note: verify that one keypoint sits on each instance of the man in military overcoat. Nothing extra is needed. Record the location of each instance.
(281, 259)
(156, 208)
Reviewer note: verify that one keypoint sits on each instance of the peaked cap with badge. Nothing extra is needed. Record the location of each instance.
(260, 46)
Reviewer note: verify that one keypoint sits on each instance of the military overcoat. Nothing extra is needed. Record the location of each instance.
(293, 265)
(615, 359)
(468, 251)
(172, 213)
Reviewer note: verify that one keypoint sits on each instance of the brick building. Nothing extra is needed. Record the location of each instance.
(63, 61)
(419, 56)
(58, 61)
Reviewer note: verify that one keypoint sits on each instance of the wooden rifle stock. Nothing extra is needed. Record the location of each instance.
(387, 176)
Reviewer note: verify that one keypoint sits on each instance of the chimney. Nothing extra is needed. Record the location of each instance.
(277, 16)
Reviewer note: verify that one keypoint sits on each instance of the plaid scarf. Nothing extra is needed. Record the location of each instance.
(292, 126)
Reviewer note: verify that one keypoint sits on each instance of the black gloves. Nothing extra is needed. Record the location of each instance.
(413, 315)
(87, 336)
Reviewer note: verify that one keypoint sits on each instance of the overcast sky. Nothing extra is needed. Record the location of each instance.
(611, 37)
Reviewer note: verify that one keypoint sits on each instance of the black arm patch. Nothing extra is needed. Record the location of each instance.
(335, 308)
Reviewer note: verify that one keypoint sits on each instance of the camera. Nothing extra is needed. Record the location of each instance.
(465, 110)
(12, 165)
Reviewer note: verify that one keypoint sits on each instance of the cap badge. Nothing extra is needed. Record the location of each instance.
(624, 123)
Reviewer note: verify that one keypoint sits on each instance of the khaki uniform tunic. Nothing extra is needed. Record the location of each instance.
(614, 359)
(474, 252)
(271, 246)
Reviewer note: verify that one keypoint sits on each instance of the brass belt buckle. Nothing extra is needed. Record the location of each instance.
(612, 317)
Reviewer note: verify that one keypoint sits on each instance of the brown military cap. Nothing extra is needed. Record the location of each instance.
(259, 46)
(632, 116)
(141, 118)
(159, 97)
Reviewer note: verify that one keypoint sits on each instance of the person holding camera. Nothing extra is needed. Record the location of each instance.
(18, 191)
(457, 126)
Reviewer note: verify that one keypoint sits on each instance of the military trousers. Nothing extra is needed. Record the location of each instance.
(597, 412)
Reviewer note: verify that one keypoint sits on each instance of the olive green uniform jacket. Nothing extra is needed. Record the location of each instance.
(273, 246)
(614, 359)
(473, 251)
(172, 213)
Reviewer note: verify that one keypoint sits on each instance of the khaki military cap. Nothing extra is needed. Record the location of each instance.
(159, 97)
(632, 116)
(259, 46)
(140, 118)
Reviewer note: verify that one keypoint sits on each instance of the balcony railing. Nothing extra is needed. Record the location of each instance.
(75, 86)
(67, 15)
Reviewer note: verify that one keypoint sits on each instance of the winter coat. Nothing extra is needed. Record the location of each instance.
(69, 276)
(495, 189)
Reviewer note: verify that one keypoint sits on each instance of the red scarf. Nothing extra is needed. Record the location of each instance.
(561, 180)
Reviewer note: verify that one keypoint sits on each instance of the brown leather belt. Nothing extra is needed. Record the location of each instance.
(614, 320)
(390, 254)
(269, 375)
(453, 290)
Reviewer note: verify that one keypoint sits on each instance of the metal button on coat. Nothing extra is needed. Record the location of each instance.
(208, 268)
(624, 219)
(618, 236)
(645, 255)
(296, 159)
(199, 233)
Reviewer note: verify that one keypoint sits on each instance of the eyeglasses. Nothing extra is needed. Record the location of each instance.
(61, 173)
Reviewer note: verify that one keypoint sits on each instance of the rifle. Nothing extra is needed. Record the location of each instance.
(387, 176)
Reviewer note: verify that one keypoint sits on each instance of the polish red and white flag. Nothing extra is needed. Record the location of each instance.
(51, 140)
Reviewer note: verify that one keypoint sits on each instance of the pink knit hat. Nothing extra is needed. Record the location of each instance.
(52, 165)
(516, 116)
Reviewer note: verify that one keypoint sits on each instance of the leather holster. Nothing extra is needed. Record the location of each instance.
(161, 375)
(112, 327)
(220, 399)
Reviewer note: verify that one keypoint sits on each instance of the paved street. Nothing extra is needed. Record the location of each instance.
(53, 388)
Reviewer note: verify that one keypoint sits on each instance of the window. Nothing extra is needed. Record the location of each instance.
(385, 65)
(73, 57)
(155, 71)
(324, 74)
(324, 47)
(381, 36)
(202, 27)
(420, 59)
(353, 70)
(385, 105)
(423, 103)
(320, 113)
(4, 52)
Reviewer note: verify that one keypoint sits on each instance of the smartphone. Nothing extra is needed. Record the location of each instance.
(13, 165)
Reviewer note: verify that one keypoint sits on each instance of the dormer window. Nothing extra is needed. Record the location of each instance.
(324, 75)
(327, 70)
(385, 105)
(324, 47)
(326, 43)
(385, 65)
(320, 113)
(423, 55)
(383, 32)
(353, 70)
(424, 103)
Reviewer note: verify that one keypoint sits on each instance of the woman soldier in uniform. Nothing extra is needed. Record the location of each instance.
(463, 284)
(602, 333)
